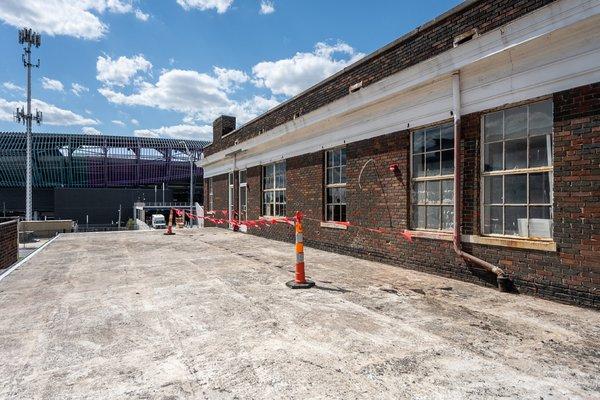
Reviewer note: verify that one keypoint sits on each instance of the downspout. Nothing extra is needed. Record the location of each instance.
(502, 279)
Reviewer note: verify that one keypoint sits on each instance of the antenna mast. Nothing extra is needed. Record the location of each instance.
(28, 38)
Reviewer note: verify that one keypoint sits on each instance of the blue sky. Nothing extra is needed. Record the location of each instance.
(169, 67)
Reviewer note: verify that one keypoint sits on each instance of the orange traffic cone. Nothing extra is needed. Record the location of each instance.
(170, 226)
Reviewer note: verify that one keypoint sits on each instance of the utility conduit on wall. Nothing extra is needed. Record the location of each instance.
(502, 279)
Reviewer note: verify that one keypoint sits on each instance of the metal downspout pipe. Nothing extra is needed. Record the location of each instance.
(502, 279)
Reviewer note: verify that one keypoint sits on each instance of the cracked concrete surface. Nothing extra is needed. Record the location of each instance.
(206, 315)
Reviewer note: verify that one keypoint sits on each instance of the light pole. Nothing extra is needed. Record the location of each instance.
(190, 156)
(29, 38)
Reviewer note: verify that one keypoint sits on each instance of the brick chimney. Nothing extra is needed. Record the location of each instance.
(222, 126)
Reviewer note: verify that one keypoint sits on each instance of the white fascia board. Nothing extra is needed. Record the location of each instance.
(517, 33)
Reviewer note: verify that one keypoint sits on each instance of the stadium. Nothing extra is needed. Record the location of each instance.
(88, 178)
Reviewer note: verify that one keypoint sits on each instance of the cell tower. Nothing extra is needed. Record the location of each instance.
(28, 38)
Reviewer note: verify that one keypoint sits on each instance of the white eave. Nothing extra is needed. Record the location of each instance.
(553, 48)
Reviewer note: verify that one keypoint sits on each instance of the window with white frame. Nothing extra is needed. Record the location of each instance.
(335, 184)
(211, 195)
(274, 190)
(517, 171)
(243, 195)
(432, 179)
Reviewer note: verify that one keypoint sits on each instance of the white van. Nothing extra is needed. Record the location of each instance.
(158, 221)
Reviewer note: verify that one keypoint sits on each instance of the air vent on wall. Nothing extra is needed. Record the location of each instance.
(465, 37)
(355, 88)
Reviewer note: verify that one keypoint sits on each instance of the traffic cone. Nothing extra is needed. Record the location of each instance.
(299, 281)
(170, 226)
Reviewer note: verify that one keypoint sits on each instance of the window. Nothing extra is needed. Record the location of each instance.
(274, 190)
(243, 196)
(230, 197)
(432, 179)
(517, 171)
(335, 184)
(211, 195)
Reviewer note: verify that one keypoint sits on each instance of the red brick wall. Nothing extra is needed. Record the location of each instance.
(484, 15)
(572, 274)
(9, 246)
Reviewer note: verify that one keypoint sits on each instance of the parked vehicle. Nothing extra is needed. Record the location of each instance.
(158, 221)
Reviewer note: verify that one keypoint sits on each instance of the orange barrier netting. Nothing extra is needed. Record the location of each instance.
(260, 223)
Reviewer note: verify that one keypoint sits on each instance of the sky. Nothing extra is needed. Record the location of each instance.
(168, 68)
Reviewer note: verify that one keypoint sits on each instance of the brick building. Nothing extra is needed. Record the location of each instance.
(9, 245)
(497, 102)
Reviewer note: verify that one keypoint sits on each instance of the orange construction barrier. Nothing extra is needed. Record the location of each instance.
(299, 281)
(170, 226)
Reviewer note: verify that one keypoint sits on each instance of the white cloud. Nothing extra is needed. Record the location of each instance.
(118, 122)
(267, 7)
(135, 122)
(220, 5)
(120, 72)
(63, 17)
(88, 130)
(77, 89)
(52, 115)
(142, 16)
(12, 87)
(52, 84)
(192, 132)
(201, 97)
(292, 75)
(230, 79)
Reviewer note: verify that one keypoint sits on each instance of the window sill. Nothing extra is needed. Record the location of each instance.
(516, 243)
(542, 245)
(333, 225)
(432, 235)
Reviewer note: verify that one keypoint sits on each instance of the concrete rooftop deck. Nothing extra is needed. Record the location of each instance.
(206, 315)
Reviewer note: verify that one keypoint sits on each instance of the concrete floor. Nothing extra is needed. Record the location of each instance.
(206, 315)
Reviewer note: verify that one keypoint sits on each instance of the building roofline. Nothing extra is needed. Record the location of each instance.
(196, 143)
(368, 57)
